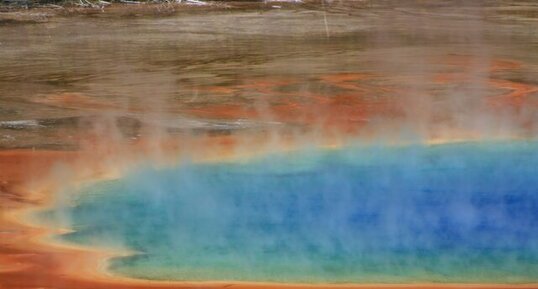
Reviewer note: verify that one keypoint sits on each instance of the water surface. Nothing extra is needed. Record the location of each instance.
(449, 213)
(381, 72)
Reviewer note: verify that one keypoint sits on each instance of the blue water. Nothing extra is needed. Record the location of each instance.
(447, 213)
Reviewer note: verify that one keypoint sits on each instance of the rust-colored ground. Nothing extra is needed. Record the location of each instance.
(28, 177)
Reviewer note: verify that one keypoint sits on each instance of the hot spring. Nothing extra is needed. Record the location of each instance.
(464, 212)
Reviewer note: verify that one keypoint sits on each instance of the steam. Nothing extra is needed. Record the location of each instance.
(361, 214)
(311, 162)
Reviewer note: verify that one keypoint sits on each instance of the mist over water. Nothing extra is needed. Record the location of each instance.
(448, 213)
(314, 125)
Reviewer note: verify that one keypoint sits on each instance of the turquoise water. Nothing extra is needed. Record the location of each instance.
(447, 213)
